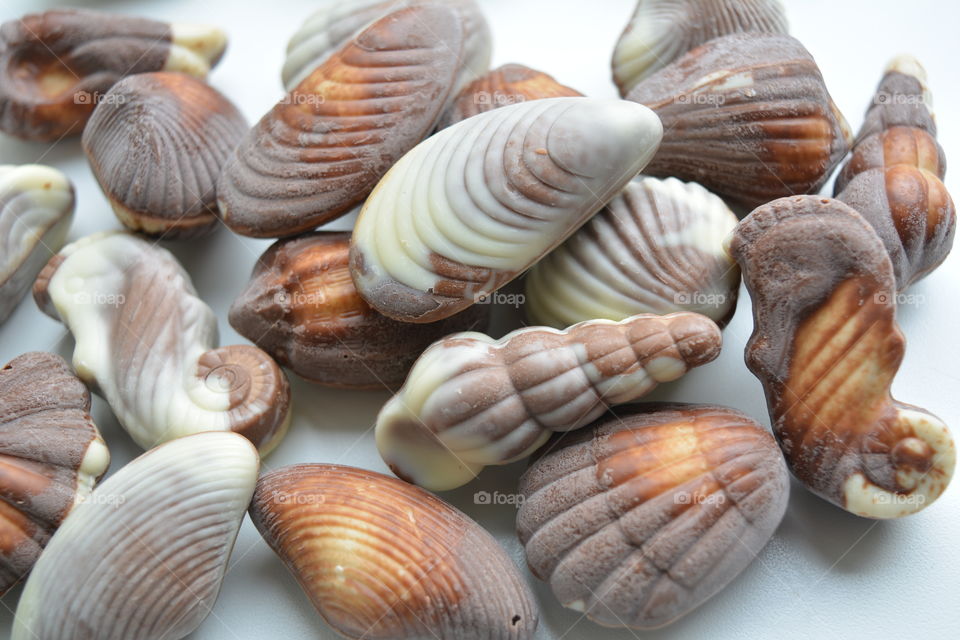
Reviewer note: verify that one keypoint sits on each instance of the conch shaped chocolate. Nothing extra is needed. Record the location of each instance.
(36, 209)
(320, 151)
(156, 144)
(147, 344)
(55, 66)
(473, 206)
(661, 31)
(144, 557)
(382, 559)
(302, 308)
(52, 456)
(747, 116)
(472, 401)
(894, 177)
(642, 517)
(506, 85)
(657, 247)
(826, 347)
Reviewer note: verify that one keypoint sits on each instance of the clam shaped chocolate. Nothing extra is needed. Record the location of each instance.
(55, 66)
(332, 25)
(506, 85)
(36, 209)
(147, 344)
(52, 456)
(144, 557)
(657, 247)
(320, 151)
(661, 31)
(826, 347)
(642, 517)
(471, 401)
(156, 144)
(895, 175)
(382, 559)
(747, 116)
(473, 206)
(301, 307)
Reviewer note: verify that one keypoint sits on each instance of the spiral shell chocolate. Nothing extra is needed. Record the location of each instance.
(147, 344)
(473, 206)
(36, 209)
(657, 247)
(747, 116)
(320, 151)
(52, 456)
(471, 401)
(301, 307)
(826, 347)
(55, 66)
(894, 178)
(642, 517)
(382, 559)
(145, 555)
(156, 144)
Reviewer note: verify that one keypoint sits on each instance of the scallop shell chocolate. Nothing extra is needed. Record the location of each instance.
(156, 144)
(657, 247)
(747, 116)
(471, 401)
(642, 517)
(55, 66)
(301, 307)
(660, 31)
(473, 206)
(147, 344)
(36, 209)
(826, 347)
(382, 559)
(144, 557)
(52, 456)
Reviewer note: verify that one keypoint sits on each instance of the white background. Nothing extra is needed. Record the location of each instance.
(825, 574)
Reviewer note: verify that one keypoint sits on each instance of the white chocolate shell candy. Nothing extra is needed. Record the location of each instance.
(471, 207)
(52, 455)
(36, 209)
(147, 344)
(384, 560)
(470, 400)
(657, 247)
(661, 31)
(145, 555)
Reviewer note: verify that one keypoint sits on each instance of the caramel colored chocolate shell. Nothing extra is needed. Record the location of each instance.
(826, 347)
(382, 559)
(642, 517)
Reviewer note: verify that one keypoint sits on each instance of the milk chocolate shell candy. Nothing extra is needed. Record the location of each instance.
(301, 307)
(55, 66)
(333, 24)
(52, 456)
(382, 559)
(473, 206)
(895, 176)
(506, 85)
(156, 144)
(657, 247)
(644, 516)
(36, 209)
(748, 117)
(145, 555)
(826, 347)
(147, 344)
(320, 151)
(661, 31)
(471, 401)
